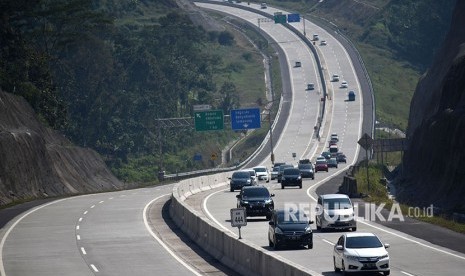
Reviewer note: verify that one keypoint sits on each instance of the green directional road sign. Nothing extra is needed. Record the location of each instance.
(280, 18)
(208, 120)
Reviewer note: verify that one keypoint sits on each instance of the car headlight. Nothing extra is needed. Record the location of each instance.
(350, 257)
(244, 202)
(278, 230)
(300, 177)
(249, 181)
(283, 178)
(384, 257)
(268, 201)
(308, 230)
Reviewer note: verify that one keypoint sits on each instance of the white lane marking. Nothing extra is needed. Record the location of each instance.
(412, 240)
(326, 241)
(83, 251)
(406, 273)
(78, 237)
(94, 268)
(80, 219)
(100, 202)
(92, 207)
(147, 226)
(7, 233)
(85, 213)
(210, 216)
(77, 227)
(110, 198)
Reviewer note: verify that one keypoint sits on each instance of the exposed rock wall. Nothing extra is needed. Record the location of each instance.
(434, 165)
(36, 161)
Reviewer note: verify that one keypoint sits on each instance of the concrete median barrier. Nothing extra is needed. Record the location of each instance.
(239, 255)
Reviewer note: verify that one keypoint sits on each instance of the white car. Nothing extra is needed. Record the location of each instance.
(361, 252)
(323, 43)
(344, 84)
(253, 175)
(262, 173)
(335, 77)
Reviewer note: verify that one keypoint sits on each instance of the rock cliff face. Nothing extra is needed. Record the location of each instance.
(434, 165)
(38, 162)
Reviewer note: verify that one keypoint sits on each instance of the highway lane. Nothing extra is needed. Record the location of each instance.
(99, 234)
(409, 256)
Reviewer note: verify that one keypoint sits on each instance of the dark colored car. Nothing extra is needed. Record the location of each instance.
(256, 200)
(341, 158)
(326, 154)
(306, 170)
(321, 165)
(291, 177)
(351, 96)
(289, 228)
(281, 170)
(332, 162)
(240, 179)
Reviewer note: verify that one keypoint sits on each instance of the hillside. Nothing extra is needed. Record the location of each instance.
(433, 169)
(37, 162)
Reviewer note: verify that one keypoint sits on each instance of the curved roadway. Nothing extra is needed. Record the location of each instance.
(409, 255)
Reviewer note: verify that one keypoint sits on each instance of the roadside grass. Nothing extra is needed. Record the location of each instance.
(378, 194)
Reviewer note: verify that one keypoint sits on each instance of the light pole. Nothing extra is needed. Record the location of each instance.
(268, 107)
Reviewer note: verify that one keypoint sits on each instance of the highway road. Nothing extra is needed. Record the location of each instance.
(409, 255)
(99, 234)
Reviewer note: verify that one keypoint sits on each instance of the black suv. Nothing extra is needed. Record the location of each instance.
(256, 200)
(240, 179)
(291, 177)
(291, 228)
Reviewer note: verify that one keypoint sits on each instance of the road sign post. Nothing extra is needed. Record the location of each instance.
(366, 142)
(238, 219)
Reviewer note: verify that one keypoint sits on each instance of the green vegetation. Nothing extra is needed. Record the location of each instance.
(104, 72)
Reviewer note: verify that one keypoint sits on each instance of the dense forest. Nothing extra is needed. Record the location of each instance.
(103, 79)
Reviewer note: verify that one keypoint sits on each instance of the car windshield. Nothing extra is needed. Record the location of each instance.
(276, 169)
(292, 218)
(241, 175)
(305, 166)
(363, 242)
(291, 172)
(260, 169)
(337, 203)
(281, 168)
(255, 193)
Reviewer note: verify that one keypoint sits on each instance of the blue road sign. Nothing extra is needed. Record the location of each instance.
(197, 157)
(245, 118)
(293, 17)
